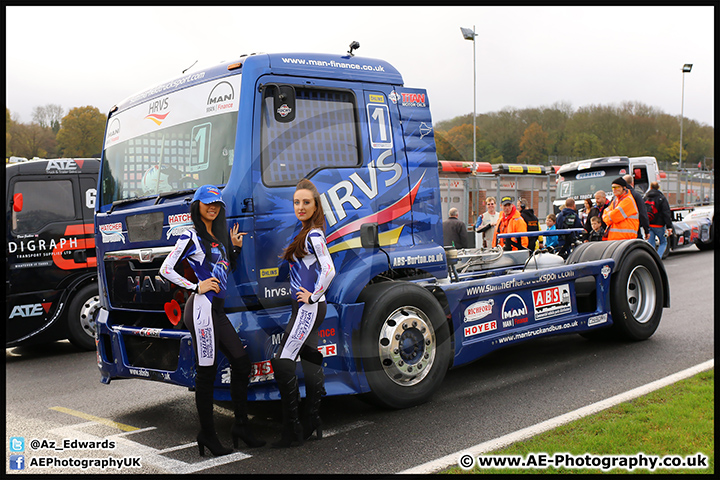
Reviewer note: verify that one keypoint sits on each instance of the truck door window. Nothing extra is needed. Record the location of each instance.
(323, 134)
(44, 202)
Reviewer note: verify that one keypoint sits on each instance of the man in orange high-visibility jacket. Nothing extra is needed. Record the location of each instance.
(621, 216)
(510, 222)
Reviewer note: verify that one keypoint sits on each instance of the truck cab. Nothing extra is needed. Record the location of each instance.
(50, 278)
(580, 180)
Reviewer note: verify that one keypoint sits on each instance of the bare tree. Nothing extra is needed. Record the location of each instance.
(49, 116)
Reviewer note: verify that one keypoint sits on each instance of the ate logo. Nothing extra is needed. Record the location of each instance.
(63, 166)
(34, 310)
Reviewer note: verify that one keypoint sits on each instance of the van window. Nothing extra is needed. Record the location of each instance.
(323, 134)
(44, 202)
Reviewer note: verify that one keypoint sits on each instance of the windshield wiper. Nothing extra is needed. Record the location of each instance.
(172, 194)
(122, 202)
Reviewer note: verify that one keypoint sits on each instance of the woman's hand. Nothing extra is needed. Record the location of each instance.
(211, 283)
(236, 236)
(303, 296)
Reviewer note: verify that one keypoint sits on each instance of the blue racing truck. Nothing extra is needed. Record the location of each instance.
(402, 308)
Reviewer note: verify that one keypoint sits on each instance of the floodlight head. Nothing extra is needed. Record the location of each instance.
(468, 34)
(687, 67)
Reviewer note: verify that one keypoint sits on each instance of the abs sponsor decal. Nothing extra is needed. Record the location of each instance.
(472, 330)
(31, 310)
(177, 224)
(552, 301)
(261, 371)
(112, 232)
(478, 310)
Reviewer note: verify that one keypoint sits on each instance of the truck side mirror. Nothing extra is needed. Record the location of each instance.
(369, 235)
(638, 174)
(284, 103)
(18, 202)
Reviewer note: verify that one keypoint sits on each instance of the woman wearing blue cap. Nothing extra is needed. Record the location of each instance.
(206, 248)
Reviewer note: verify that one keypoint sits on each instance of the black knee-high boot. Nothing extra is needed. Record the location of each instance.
(290, 398)
(207, 437)
(238, 392)
(314, 390)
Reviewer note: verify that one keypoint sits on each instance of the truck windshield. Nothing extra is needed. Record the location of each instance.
(583, 184)
(178, 142)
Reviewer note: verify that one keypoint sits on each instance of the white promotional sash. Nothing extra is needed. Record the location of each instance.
(204, 331)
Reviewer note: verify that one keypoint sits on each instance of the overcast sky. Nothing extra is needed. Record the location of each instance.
(526, 56)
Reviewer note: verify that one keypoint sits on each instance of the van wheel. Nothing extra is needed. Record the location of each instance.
(81, 317)
(637, 292)
(404, 344)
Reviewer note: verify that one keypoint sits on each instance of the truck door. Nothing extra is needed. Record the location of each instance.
(320, 140)
(38, 243)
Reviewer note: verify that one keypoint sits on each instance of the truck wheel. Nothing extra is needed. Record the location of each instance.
(404, 344)
(81, 317)
(636, 290)
(711, 243)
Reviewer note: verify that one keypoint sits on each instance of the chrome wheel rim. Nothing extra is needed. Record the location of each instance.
(641, 294)
(407, 346)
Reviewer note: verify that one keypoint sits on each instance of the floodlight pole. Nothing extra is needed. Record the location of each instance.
(686, 69)
(471, 36)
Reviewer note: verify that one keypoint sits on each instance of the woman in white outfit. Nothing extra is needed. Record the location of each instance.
(485, 226)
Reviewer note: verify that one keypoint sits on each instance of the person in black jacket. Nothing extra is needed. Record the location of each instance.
(642, 211)
(659, 217)
(454, 230)
(531, 221)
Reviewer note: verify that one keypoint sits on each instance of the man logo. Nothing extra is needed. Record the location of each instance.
(222, 92)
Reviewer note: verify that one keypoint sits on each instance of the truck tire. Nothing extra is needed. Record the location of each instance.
(404, 344)
(710, 245)
(81, 317)
(637, 287)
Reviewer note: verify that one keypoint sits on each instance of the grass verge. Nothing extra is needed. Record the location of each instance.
(676, 420)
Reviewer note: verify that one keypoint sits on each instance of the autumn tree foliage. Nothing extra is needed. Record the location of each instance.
(534, 135)
(81, 133)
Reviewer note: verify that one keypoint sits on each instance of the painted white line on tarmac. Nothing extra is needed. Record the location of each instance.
(497, 443)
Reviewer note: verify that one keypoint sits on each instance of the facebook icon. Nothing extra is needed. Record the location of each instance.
(17, 462)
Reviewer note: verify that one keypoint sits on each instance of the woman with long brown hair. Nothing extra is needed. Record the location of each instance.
(311, 271)
(206, 247)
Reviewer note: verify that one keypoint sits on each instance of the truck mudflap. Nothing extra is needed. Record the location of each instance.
(167, 355)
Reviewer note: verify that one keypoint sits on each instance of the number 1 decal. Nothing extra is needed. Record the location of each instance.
(379, 126)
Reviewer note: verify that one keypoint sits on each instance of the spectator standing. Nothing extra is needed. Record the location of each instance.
(485, 225)
(598, 232)
(531, 221)
(510, 222)
(601, 203)
(551, 240)
(642, 212)
(567, 218)
(454, 231)
(621, 216)
(659, 217)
